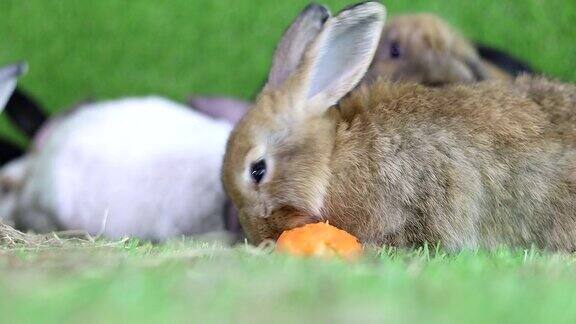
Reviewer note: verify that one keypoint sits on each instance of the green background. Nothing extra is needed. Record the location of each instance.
(113, 48)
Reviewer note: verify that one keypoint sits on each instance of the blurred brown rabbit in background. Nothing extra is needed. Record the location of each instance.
(420, 48)
(469, 165)
(423, 48)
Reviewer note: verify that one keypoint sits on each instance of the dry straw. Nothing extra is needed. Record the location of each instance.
(11, 238)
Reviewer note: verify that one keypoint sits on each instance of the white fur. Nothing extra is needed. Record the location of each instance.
(143, 167)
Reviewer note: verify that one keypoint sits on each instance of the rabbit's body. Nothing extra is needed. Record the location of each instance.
(142, 167)
(476, 165)
(136, 167)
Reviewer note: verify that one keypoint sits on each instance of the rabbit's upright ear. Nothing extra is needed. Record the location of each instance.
(295, 41)
(339, 57)
(8, 79)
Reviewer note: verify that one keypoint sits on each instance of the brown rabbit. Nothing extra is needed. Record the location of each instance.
(467, 166)
(425, 49)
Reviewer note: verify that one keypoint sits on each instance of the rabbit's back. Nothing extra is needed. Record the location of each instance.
(472, 166)
(557, 100)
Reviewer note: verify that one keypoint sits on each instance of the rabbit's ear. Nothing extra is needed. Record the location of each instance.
(18, 106)
(25, 112)
(222, 108)
(297, 38)
(465, 56)
(341, 55)
(8, 79)
(478, 70)
(456, 70)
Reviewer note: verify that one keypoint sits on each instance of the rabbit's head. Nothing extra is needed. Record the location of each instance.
(423, 48)
(277, 164)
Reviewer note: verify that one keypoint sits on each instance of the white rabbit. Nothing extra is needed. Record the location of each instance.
(141, 167)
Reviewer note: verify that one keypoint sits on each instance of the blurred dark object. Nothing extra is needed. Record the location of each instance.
(25, 113)
(503, 60)
(9, 152)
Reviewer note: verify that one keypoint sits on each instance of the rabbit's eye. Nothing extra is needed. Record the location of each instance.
(258, 171)
(394, 50)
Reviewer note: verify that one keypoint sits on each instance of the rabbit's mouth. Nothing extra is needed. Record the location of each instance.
(287, 218)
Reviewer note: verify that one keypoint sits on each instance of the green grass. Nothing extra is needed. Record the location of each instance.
(191, 283)
(111, 48)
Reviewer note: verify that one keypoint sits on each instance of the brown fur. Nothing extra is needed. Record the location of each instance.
(467, 166)
(432, 53)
